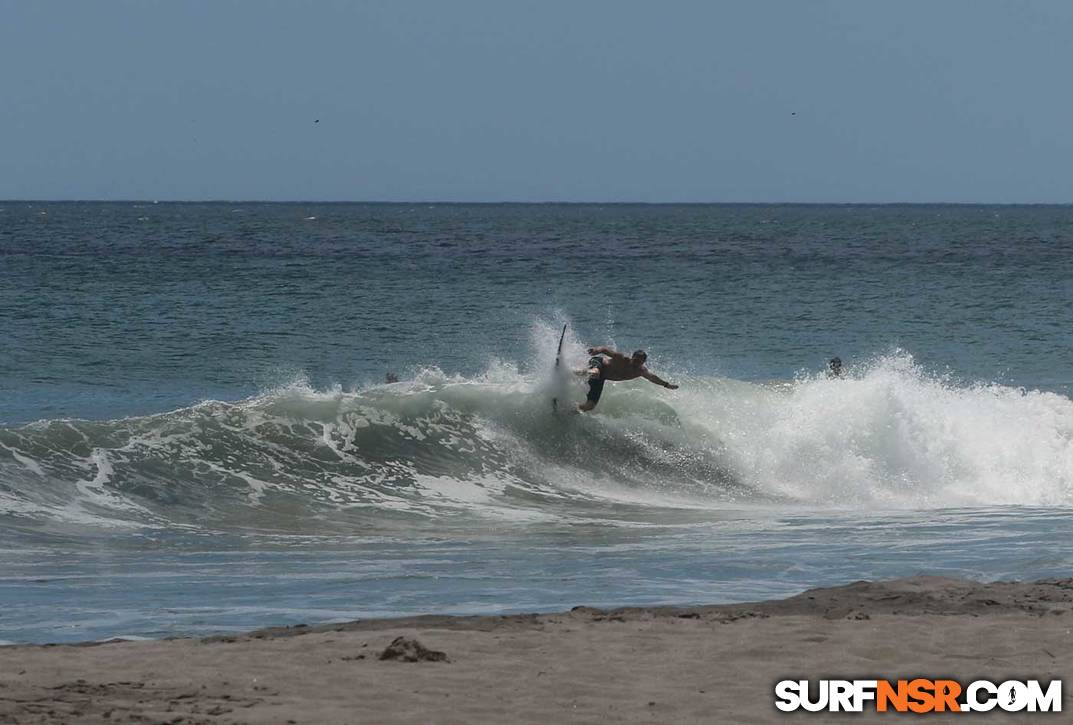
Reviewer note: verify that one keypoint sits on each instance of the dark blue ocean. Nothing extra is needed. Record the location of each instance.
(197, 435)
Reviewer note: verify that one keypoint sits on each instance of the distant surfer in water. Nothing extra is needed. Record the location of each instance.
(834, 367)
(608, 364)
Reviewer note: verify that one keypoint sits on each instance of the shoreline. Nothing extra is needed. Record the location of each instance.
(709, 663)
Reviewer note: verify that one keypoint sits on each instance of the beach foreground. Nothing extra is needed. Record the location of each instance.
(654, 664)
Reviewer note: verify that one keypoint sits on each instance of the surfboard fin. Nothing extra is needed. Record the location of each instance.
(558, 354)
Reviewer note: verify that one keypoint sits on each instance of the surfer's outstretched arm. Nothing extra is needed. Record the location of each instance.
(653, 378)
(609, 351)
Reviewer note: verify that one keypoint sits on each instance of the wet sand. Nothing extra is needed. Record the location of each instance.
(711, 664)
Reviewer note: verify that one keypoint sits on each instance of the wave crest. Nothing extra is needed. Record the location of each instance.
(437, 448)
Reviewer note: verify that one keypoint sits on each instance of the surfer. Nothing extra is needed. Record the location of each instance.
(608, 364)
(834, 367)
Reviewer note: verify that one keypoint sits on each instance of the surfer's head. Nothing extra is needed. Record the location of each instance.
(639, 357)
(834, 366)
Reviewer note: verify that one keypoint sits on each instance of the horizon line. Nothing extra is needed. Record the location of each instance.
(531, 203)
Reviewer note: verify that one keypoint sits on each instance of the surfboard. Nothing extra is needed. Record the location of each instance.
(558, 355)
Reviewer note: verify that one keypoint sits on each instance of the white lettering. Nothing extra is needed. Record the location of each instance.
(786, 692)
(822, 688)
(841, 696)
(973, 703)
(1012, 696)
(1049, 701)
(866, 690)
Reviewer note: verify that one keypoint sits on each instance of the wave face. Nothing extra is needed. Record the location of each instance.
(437, 449)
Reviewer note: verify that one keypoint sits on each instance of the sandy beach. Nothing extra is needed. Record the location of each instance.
(654, 665)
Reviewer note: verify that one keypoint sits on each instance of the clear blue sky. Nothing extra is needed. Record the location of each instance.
(791, 100)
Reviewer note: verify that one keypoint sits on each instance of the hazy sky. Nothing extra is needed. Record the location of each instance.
(793, 100)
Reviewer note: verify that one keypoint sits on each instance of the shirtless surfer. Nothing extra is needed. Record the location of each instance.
(608, 364)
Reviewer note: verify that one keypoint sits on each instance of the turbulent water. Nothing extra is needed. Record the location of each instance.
(195, 434)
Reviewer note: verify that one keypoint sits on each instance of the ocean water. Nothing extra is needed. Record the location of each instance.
(196, 434)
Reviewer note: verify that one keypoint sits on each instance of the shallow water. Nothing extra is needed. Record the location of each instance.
(195, 435)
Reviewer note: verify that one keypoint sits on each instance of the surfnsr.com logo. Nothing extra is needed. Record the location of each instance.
(918, 696)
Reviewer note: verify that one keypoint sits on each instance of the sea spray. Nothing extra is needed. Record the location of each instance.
(893, 434)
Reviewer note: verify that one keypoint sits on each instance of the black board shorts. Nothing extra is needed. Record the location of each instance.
(596, 384)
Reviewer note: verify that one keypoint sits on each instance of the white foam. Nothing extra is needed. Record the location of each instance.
(894, 434)
(888, 434)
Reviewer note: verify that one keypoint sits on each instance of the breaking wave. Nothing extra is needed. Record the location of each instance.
(437, 448)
